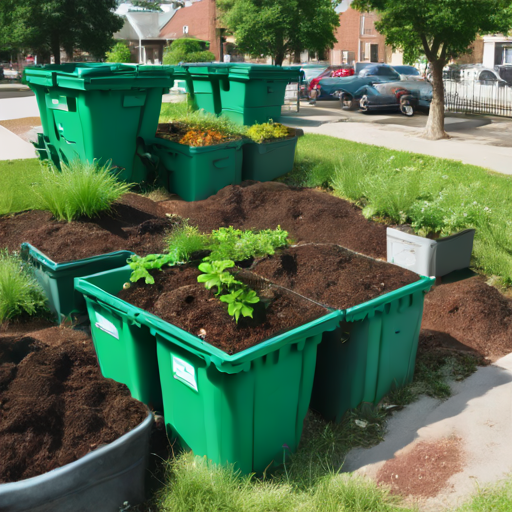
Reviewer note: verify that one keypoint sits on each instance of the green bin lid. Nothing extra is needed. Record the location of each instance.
(85, 72)
(263, 71)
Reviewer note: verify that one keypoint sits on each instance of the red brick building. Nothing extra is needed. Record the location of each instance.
(197, 20)
(358, 40)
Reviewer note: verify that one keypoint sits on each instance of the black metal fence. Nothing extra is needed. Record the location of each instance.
(478, 97)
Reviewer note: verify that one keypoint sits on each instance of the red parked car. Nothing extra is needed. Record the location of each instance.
(332, 71)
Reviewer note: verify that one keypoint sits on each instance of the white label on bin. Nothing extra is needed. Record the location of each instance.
(106, 326)
(55, 102)
(184, 372)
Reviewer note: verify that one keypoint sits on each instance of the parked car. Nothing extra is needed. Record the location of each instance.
(408, 72)
(471, 73)
(505, 72)
(350, 89)
(405, 96)
(308, 72)
(342, 70)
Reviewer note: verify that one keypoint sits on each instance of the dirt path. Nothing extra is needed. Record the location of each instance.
(470, 432)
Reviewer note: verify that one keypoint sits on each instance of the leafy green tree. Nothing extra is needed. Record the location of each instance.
(147, 4)
(441, 30)
(44, 26)
(280, 27)
(186, 50)
(119, 53)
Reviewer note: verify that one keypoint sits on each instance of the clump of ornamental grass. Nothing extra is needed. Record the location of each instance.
(80, 189)
(19, 291)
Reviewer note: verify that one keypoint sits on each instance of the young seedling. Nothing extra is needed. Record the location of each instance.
(238, 302)
(141, 266)
(215, 275)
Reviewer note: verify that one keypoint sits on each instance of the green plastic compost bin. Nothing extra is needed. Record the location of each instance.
(56, 279)
(269, 160)
(203, 81)
(97, 110)
(254, 93)
(246, 409)
(372, 351)
(195, 173)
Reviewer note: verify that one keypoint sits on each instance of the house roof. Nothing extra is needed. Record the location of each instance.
(144, 24)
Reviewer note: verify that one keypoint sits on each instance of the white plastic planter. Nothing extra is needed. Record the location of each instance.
(99, 482)
(430, 257)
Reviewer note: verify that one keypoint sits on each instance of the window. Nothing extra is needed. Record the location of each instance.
(185, 29)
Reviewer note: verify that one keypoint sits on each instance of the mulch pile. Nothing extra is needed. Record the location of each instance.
(135, 224)
(473, 313)
(178, 298)
(55, 406)
(424, 470)
(308, 215)
(332, 275)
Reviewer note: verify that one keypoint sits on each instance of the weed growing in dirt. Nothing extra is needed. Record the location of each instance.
(80, 189)
(141, 266)
(19, 291)
(184, 241)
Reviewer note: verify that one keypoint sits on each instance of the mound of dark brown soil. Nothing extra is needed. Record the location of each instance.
(474, 313)
(55, 406)
(424, 470)
(135, 224)
(308, 215)
(333, 275)
(176, 297)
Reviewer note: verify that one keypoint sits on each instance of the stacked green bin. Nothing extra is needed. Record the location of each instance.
(373, 351)
(203, 84)
(97, 111)
(255, 93)
(195, 173)
(242, 409)
(56, 279)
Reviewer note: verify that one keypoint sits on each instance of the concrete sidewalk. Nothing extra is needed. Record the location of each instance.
(16, 108)
(479, 413)
(13, 147)
(403, 138)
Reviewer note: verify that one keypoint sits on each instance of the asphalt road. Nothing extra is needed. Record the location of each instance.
(10, 89)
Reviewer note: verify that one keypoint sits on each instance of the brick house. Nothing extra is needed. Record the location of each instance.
(358, 40)
(197, 19)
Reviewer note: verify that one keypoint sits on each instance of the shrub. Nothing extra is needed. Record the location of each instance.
(79, 189)
(186, 50)
(19, 291)
(267, 131)
(119, 53)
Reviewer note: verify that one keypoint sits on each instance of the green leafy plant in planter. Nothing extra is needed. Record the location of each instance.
(237, 245)
(235, 294)
(184, 241)
(267, 132)
(141, 266)
(19, 291)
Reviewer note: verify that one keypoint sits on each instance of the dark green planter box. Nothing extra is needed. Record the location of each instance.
(56, 279)
(196, 173)
(372, 352)
(268, 161)
(237, 409)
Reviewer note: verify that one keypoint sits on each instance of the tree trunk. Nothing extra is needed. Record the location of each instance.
(296, 56)
(435, 122)
(278, 59)
(55, 46)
